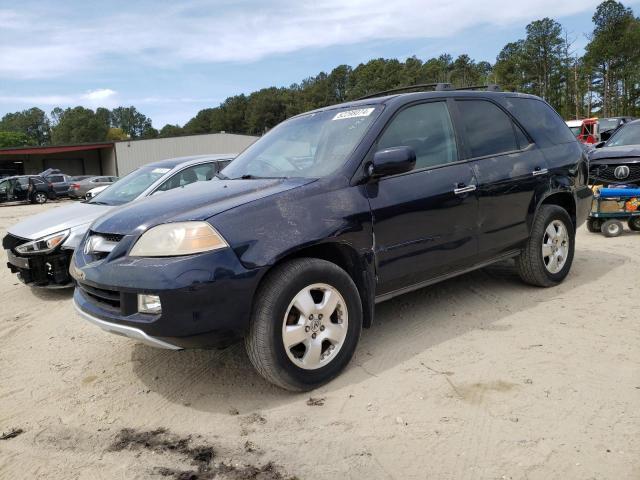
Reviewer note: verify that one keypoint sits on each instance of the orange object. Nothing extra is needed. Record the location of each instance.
(632, 205)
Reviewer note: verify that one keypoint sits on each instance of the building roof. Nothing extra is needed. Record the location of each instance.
(54, 149)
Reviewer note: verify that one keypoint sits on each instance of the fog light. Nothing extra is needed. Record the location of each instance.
(149, 303)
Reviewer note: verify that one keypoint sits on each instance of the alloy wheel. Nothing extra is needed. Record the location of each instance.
(315, 324)
(555, 246)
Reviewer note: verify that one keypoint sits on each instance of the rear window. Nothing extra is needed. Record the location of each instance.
(541, 121)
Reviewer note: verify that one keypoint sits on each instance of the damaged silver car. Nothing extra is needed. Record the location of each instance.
(39, 248)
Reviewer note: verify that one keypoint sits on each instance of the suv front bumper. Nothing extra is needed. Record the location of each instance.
(206, 298)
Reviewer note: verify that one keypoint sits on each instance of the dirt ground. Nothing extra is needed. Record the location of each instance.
(480, 377)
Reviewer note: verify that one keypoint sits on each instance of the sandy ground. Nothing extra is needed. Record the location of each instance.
(478, 377)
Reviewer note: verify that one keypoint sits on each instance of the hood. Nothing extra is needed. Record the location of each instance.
(607, 153)
(57, 219)
(198, 201)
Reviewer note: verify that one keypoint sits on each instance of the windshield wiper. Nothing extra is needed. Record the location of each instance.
(248, 176)
(99, 203)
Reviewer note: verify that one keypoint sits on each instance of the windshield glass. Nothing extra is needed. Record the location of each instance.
(129, 187)
(309, 146)
(608, 124)
(576, 130)
(627, 135)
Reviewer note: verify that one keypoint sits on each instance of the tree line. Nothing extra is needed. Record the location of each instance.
(603, 81)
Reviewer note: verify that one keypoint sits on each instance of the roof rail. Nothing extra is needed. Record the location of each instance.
(492, 87)
(419, 86)
(438, 87)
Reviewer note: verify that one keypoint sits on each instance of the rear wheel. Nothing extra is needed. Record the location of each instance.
(39, 197)
(547, 257)
(594, 224)
(612, 228)
(634, 224)
(305, 325)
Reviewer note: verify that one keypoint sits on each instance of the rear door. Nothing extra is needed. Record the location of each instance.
(424, 221)
(508, 169)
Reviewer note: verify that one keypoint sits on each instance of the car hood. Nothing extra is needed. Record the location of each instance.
(198, 201)
(58, 219)
(612, 153)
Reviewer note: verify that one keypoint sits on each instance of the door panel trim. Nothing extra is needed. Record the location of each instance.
(388, 296)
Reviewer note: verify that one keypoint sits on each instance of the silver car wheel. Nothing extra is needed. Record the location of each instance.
(315, 326)
(555, 246)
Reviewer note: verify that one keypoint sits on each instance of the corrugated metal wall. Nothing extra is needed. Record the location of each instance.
(131, 155)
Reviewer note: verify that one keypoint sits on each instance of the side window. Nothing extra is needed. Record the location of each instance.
(36, 180)
(23, 181)
(56, 178)
(489, 131)
(196, 173)
(426, 128)
(540, 120)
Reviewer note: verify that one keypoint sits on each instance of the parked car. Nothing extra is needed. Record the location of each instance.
(331, 212)
(95, 191)
(39, 248)
(60, 182)
(31, 188)
(80, 188)
(617, 161)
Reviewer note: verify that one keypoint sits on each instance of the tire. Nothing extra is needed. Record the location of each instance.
(39, 198)
(634, 224)
(536, 268)
(612, 228)
(295, 368)
(594, 224)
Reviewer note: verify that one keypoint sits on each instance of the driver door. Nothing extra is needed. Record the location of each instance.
(425, 220)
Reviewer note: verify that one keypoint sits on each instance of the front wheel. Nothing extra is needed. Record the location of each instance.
(548, 254)
(39, 198)
(305, 325)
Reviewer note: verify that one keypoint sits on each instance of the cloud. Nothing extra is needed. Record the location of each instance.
(102, 97)
(170, 34)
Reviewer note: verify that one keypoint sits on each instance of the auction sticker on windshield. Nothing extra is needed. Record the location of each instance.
(360, 112)
(160, 170)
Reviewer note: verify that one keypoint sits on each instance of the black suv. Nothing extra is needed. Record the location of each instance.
(32, 188)
(331, 212)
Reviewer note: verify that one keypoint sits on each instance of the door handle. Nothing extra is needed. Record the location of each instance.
(540, 171)
(463, 189)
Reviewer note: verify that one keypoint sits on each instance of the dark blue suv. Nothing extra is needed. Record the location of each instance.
(331, 212)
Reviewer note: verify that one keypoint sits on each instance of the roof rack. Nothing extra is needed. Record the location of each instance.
(492, 87)
(438, 87)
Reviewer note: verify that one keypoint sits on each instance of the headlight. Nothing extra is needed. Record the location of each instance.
(44, 244)
(180, 238)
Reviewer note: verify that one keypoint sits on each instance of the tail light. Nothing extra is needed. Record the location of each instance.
(74, 186)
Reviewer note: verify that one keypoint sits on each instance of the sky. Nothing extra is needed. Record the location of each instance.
(171, 59)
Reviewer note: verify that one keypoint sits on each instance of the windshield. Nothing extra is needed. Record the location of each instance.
(608, 124)
(627, 135)
(576, 130)
(309, 146)
(129, 187)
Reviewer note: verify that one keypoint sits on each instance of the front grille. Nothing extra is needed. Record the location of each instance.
(105, 298)
(101, 244)
(605, 173)
(9, 242)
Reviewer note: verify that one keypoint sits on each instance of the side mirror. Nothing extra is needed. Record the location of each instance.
(392, 161)
(599, 144)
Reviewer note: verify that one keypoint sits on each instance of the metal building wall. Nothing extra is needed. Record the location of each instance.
(133, 154)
